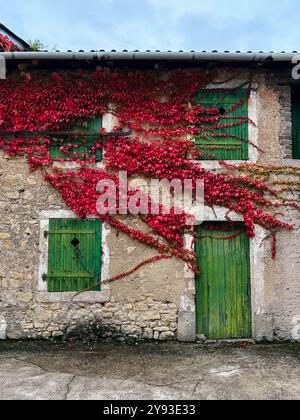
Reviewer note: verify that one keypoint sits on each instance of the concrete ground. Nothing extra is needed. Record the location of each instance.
(155, 371)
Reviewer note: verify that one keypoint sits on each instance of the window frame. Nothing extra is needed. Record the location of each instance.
(92, 125)
(245, 153)
(90, 297)
(295, 111)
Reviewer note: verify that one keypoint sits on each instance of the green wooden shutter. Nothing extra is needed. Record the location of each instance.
(296, 122)
(223, 285)
(92, 125)
(74, 261)
(236, 149)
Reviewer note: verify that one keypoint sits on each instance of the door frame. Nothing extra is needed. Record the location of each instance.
(262, 322)
(216, 300)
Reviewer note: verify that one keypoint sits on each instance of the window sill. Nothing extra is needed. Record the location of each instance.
(292, 162)
(74, 165)
(86, 297)
(215, 164)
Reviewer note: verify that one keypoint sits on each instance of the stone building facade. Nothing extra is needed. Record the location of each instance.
(158, 301)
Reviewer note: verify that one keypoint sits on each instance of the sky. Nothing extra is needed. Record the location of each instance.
(268, 25)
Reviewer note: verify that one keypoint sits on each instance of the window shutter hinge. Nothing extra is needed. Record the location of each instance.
(44, 277)
(46, 234)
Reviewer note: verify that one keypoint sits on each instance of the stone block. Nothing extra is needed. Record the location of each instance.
(162, 329)
(166, 336)
(187, 326)
(264, 328)
(150, 316)
(3, 328)
(148, 333)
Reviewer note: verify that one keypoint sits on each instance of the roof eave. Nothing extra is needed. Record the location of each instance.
(152, 56)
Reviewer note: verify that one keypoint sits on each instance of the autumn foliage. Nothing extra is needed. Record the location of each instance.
(164, 116)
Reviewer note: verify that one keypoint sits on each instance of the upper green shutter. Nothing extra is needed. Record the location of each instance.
(296, 122)
(74, 261)
(223, 286)
(235, 149)
(92, 125)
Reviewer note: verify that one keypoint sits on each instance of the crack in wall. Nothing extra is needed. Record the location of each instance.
(69, 384)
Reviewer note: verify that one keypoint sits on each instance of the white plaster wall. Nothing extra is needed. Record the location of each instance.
(3, 328)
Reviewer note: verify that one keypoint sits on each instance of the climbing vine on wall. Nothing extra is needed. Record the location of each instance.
(164, 116)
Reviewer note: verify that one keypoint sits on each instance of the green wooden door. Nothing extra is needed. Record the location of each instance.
(74, 261)
(223, 290)
(230, 148)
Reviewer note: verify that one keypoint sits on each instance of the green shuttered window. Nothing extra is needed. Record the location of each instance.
(74, 259)
(235, 149)
(296, 121)
(91, 125)
(223, 287)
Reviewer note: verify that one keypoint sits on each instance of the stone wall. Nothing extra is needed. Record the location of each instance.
(143, 305)
(157, 302)
(147, 319)
(282, 276)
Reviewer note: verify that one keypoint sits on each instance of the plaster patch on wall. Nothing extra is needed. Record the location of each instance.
(188, 273)
(105, 275)
(109, 121)
(187, 316)
(226, 371)
(187, 306)
(186, 303)
(131, 249)
(296, 328)
(3, 328)
(253, 131)
(257, 257)
(219, 215)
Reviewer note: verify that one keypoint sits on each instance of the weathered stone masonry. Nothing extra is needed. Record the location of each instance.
(143, 305)
(158, 301)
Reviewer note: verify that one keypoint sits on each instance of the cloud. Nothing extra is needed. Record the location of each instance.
(156, 24)
(232, 24)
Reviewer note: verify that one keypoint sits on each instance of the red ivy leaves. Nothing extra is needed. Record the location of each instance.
(163, 114)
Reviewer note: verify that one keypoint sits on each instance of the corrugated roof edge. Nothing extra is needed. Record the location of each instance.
(153, 56)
